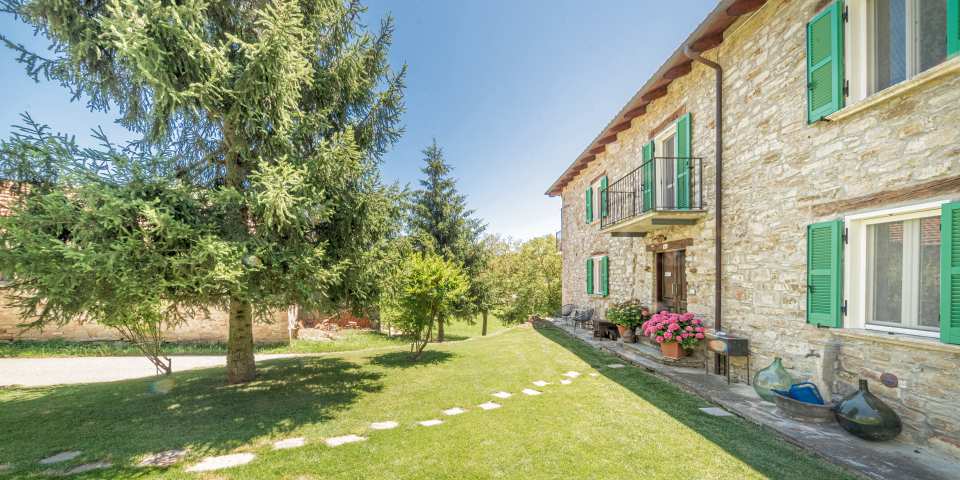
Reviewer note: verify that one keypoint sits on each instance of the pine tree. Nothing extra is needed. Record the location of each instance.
(441, 222)
(253, 184)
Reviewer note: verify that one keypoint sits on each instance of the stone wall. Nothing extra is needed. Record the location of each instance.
(212, 329)
(781, 174)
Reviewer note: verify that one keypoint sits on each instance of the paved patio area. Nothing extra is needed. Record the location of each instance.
(37, 372)
(882, 461)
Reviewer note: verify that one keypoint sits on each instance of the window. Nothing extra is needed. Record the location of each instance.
(891, 41)
(596, 199)
(598, 279)
(893, 270)
(909, 36)
(903, 273)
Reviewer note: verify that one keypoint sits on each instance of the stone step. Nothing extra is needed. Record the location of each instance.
(652, 352)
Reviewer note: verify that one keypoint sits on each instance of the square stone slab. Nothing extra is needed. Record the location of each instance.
(530, 391)
(566, 381)
(616, 365)
(453, 411)
(345, 439)
(430, 423)
(223, 461)
(289, 443)
(489, 405)
(716, 412)
(594, 374)
(60, 457)
(572, 374)
(541, 383)
(163, 459)
(503, 394)
(384, 425)
(88, 467)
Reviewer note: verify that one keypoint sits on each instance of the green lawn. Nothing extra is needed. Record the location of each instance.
(623, 423)
(348, 340)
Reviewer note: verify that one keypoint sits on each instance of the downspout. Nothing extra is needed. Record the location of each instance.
(718, 186)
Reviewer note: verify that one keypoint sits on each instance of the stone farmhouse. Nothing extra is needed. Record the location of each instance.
(791, 174)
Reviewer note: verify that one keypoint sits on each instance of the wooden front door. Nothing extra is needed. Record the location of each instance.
(671, 281)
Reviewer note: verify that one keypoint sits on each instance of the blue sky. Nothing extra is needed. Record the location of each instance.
(512, 90)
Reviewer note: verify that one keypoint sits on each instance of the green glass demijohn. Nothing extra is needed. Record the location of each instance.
(774, 377)
(866, 416)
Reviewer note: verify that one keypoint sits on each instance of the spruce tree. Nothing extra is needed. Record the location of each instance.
(441, 222)
(253, 183)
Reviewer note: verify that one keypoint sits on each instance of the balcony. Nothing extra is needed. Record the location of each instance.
(663, 191)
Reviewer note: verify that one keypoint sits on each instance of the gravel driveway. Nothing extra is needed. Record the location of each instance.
(34, 372)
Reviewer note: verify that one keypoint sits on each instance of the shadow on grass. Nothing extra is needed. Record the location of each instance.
(762, 450)
(121, 421)
(406, 360)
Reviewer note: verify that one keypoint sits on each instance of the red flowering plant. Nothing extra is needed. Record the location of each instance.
(666, 327)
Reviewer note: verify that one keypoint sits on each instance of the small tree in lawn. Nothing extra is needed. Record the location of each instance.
(426, 289)
(253, 184)
(440, 222)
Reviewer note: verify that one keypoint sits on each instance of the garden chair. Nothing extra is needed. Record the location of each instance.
(582, 317)
(566, 313)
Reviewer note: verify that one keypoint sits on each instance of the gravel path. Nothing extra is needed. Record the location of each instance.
(35, 372)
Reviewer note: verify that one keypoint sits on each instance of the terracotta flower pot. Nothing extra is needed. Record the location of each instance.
(672, 350)
(626, 333)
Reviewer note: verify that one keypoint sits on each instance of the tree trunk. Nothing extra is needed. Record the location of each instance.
(440, 330)
(240, 363)
(483, 332)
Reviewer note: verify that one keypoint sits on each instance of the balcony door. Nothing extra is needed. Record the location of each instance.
(666, 147)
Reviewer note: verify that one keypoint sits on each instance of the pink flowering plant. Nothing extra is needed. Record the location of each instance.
(666, 327)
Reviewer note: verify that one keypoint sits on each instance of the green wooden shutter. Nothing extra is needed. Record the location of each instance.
(589, 209)
(824, 273)
(825, 62)
(604, 276)
(648, 175)
(953, 27)
(589, 275)
(683, 162)
(603, 197)
(950, 273)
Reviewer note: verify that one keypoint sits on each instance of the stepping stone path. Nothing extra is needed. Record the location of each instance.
(430, 423)
(566, 381)
(503, 394)
(530, 391)
(541, 383)
(163, 459)
(716, 412)
(384, 425)
(60, 457)
(223, 461)
(289, 443)
(489, 405)
(88, 467)
(616, 365)
(337, 441)
(453, 411)
(571, 374)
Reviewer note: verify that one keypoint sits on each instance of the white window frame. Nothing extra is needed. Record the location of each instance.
(855, 267)
(597, 287)
(659, 140)
(860, 48)
(597, 200)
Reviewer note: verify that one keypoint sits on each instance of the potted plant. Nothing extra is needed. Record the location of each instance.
(674, 332)
(626, 316)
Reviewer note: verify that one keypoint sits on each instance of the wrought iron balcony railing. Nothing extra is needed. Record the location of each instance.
(662, 184)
